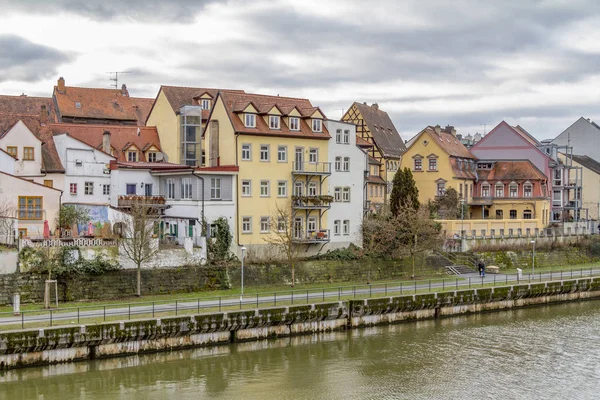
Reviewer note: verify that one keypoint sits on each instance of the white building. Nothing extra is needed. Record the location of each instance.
(583, 136)
(346, 185)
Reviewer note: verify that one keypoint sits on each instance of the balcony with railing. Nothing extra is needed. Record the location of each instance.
(318, 202)
(149, 201)
(319, 168)
(321, 236)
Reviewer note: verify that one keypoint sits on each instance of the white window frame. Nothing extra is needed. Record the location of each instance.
(215, 188)
(294, 124)
(317, 125)
(88, 188)
(152, 156)
(282, 154)
(510, 192)
(246, 224)
(499, 190)
(336, 227)
(338, 163)
(440, 188)
(250, 120)
(432, 164)
(527, 186)
(346, 136)
(281, 224)
(298, 189)
(265, 184)
(337, 194)
(418, 164)
(311, 225)
(346, 164)
(274, 122)
(346, 227)
(281, 188)
(171, 189)
(265, 153)
(135, 157)
(264, 224)
(106, 190)
(313, 155)
(186, 189)
(312, 189)
(485, 188)
(246, 152)
(246, 188)
(338, 136)
(205, 104)
(346, 194)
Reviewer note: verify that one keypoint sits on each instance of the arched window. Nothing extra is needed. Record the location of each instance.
(499, 189)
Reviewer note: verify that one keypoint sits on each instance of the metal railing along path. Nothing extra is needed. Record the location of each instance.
(163, 308)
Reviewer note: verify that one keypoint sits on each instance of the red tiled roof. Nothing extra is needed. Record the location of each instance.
(511, 171)
(234, 100)
(152, 165)
(121, 136)
(98, 103)
(373, 161)
(221, 168)
(466, 172)
(188, 96)
(376, 179)
(360, 142)
(29, 110)
(449, 143)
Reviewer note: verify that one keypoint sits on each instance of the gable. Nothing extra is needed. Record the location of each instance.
(274, 111)
(294, 113)
(16, 134)
(317, 114)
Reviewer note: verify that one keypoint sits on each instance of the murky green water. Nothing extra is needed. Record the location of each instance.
(537, 353)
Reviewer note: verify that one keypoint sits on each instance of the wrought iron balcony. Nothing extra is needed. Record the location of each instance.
(320, 168)
(318, 202)
(321, 236)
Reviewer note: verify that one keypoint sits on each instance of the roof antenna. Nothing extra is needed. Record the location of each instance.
(116, 78)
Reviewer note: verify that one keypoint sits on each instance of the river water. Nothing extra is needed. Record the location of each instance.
(537, 353)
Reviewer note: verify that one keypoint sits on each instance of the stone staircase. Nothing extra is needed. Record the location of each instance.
(459, 270)
(460, 263)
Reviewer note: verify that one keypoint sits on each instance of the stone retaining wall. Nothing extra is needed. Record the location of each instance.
(62, 344)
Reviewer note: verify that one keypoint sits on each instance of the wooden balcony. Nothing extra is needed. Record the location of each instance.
(321, 236)
(127, 201)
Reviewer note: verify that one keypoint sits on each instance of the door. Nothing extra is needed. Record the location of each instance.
(298, 234)
(299, 159)
(148, 189)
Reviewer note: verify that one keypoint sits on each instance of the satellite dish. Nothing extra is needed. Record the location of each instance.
(160, 156)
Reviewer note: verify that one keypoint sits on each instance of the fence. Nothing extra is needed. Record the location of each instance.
(127, 311)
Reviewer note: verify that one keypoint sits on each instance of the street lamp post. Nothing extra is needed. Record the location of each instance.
(533, 258)
(243, 251)
(462, 216)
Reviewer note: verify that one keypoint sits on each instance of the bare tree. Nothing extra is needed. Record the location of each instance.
(137, 243)
(8, 219)
(282, 237)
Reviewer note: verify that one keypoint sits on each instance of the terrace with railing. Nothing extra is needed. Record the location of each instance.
(318, 202)
(319, 168)
(320, 236)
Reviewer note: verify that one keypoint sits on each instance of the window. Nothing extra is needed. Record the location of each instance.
(282, 189)
(30, 207)
(311, 225)
(313, 156)
(171, 189)
(460, 192)
(513, 190)
(12, 150)
(186, 188)
(246, 152)
(513, 214)
(346, 227)
(557, 198)
(148, 189)
(22, 233)
(499, 190)
(247, 188)
(527, 190)
(215, 188)
(294, 124)
(264, 152)
(73, 188)
(282, 154)
(130, 188)
(371, 190)
(246, 224)
(441, 188)
(337, 194)
(281, 224)
(557, 177)
(205, 104)
(433, 164)
(418, 164)
(264, 224)
(317, 125)
(336, 227)
(48, 183)
(28, 153)
(106, 190)
(346, 194)
(485, 190)
(152, 156)
(312, 189)
(132, 156)
(274, 121)
(298, 189)
(499, 214)
(338, 163)
(346, 165)
(88, 188)
(250, 120)
(346, 136)
(380, 191)
(264, 189)
(338, 136)
(527, 214)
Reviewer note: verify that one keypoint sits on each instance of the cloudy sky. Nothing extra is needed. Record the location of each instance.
(466, 63)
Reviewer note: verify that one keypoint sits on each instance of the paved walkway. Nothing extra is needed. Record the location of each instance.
(265, 299)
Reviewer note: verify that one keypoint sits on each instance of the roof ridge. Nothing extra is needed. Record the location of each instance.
(276, 97)
(25, 97)
(200, 88)
(102, 125)
(92, 88)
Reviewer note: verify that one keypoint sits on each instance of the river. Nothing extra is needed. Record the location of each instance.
(548, 352)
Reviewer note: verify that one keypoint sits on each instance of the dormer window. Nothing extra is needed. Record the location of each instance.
(274, 121)
(205, 104)
(250, 120)
(317, 125)
(77, 104)
(152, 156)
(132, 156)
(294, 124)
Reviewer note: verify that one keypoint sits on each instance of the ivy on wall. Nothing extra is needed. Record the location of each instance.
(65, 261)
(220, 241)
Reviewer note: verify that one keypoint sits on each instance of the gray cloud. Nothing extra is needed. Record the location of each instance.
(22, 60)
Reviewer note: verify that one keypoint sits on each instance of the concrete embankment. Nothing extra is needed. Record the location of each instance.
(72, 343)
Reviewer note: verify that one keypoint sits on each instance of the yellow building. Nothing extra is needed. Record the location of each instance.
(376, 127)
(180, 115)
(280, 146)
(439, 161)
(375, 187)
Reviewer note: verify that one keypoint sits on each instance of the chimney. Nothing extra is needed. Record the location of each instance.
(43, 114)
(375, 106)
(124, 91)
(106, 142)
(61, 85)
(438, 129)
